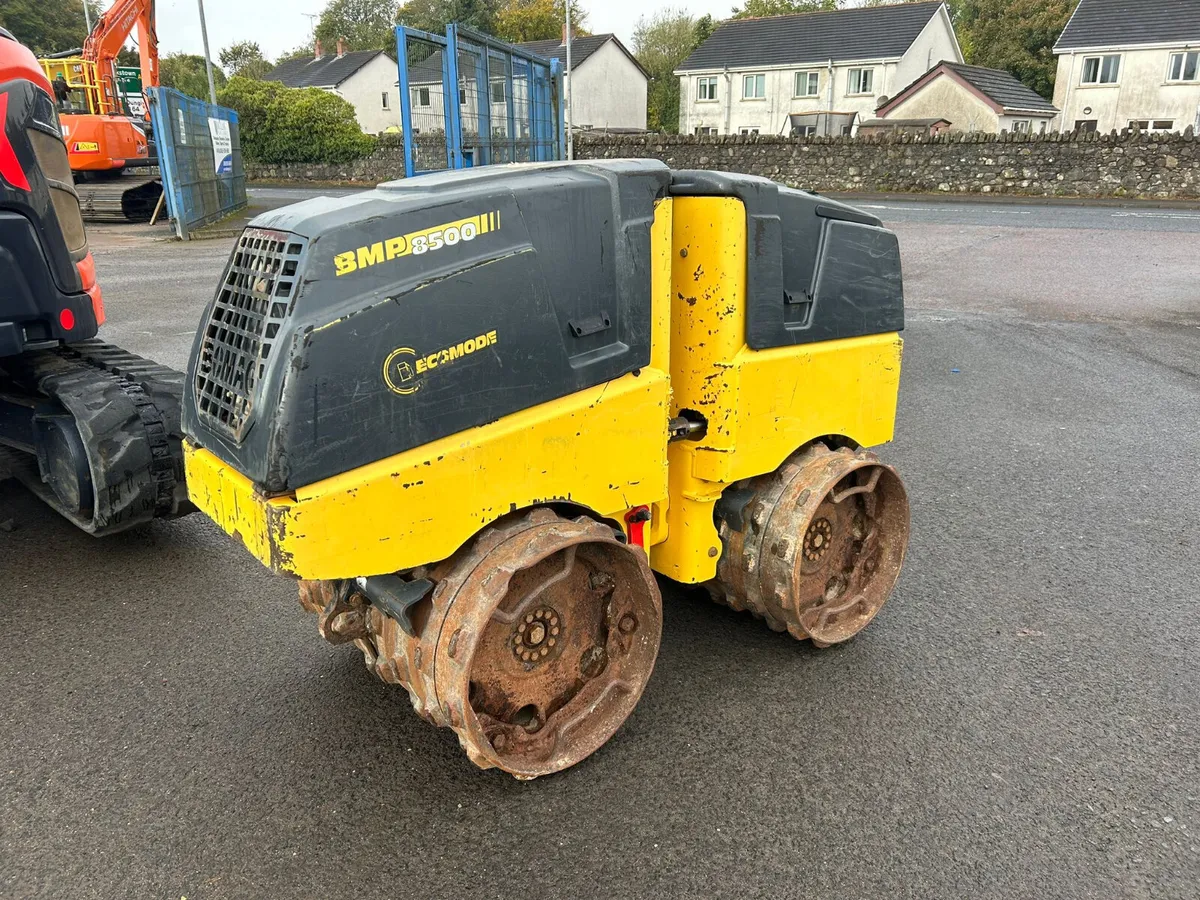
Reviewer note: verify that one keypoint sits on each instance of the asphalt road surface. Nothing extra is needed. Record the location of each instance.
(1022, 720)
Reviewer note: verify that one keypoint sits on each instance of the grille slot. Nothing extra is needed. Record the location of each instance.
(255, 299)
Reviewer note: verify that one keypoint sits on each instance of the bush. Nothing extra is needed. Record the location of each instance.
(294, 125)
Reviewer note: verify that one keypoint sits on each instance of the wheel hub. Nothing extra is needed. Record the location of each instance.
(536, 636)
(816, 540)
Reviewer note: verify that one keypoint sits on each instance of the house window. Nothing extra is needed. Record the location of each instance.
(1021, 126)
(861, 81)
(706, 88)
(1184, 66)
(422, 96)
(1086, 126)
(702, 130)
(1152, 124)
(808, 84)
(749, 129)
(754, 87)
(497, 91)
(1101, 69)
(385, 100)
(804, 131)
(462, 96)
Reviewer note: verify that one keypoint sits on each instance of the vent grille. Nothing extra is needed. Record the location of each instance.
(257, 297)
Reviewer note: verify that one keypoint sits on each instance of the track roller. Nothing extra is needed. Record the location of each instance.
(815, 547)
(534, 643)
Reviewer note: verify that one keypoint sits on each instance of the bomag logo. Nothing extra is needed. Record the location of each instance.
(405, 369)
(416, 243)
(87, 147)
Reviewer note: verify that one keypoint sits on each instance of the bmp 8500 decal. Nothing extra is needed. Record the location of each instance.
(416, 243)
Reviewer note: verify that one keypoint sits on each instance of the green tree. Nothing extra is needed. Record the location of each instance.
(537, 20)
(1017, 36)
(294, 125)
(660, 44)
(435, 15)
(47, 26)
(185, 72)
(245, 58)
(705, 26)
(296, 53)
(753, 9)
(365, 24)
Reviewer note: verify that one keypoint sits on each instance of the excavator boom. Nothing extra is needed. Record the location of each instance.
(112, 30)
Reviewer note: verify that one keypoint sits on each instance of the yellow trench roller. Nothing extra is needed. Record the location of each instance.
(741, 343)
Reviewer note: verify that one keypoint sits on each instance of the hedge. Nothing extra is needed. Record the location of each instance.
(294, 125)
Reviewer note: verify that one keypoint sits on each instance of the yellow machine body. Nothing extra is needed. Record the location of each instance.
(605, 448)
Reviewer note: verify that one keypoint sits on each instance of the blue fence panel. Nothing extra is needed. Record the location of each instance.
(200, 157)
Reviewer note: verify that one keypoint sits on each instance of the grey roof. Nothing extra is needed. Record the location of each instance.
(328, 71)
(1003, 88)
(582, 47)
(868, 33)
(1122, 23)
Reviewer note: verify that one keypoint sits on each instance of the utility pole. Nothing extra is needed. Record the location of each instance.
(87, 16)
(567, 82)
(212, 88)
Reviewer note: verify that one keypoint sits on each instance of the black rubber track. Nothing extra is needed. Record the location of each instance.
(127, 411)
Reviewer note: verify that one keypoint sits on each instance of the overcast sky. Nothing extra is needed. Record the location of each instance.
(280, 25)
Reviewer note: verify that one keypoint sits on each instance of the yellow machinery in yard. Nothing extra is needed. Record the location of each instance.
(474, 413)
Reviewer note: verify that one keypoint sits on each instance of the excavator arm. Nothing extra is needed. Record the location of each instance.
(108, 37)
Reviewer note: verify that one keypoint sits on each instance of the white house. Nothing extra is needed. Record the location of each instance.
(1124, 64)
(812, 73)
(364, 78)
(971, 98)
(608, 86)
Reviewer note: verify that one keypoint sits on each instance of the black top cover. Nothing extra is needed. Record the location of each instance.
(348, 330)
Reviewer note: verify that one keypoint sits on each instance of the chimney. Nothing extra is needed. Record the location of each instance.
(317, 50)
(341, 45)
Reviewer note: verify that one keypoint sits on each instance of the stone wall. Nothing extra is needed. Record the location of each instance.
(385, 164)
(1156, 166)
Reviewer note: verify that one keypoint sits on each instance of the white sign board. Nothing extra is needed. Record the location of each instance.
(222, 144)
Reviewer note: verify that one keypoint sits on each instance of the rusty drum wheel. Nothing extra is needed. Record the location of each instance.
(816, 547)
(534, 645)
(550, 635)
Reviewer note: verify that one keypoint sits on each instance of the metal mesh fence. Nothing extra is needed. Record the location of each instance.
(499, 104)
(200, 157)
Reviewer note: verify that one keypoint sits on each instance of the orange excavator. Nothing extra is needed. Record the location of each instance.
(104, 141)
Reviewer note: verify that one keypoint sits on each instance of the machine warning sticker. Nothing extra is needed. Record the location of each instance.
(87, 147)
(405, 369)
(416, 243)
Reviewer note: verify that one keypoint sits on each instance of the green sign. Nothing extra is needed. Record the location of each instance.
(129, 87)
